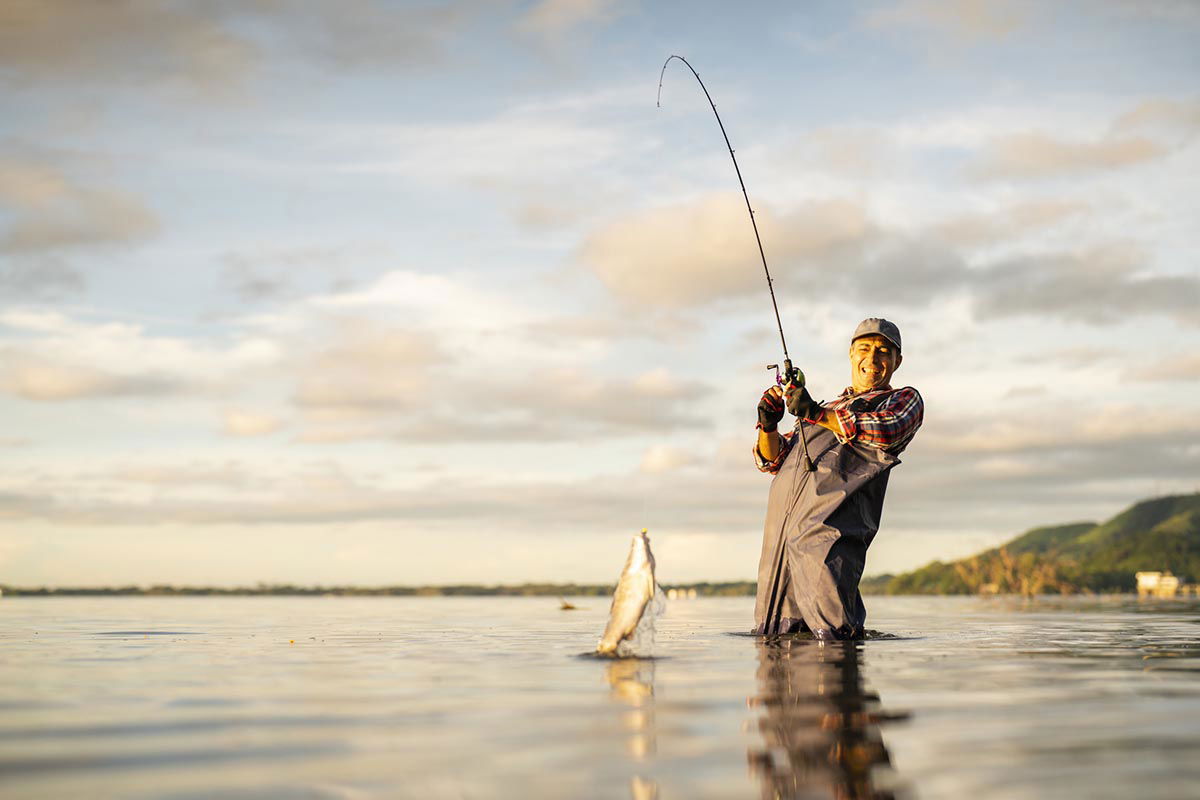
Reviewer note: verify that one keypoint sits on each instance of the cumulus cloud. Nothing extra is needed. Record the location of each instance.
(470, 360)
(705, 250)
(50, 356)
(250, 423)
(49, 210)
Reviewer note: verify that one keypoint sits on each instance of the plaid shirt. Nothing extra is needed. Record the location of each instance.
(890, 426)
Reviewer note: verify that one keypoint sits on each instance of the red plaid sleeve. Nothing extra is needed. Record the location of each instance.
(890, 426)
(785, 446)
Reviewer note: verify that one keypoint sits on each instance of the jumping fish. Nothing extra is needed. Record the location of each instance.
(635, 590)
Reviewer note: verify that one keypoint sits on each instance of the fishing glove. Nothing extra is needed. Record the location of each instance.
(800, 403)
(770, 410)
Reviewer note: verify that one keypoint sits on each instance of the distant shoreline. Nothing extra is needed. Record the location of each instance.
(729, 589)
(703, 589)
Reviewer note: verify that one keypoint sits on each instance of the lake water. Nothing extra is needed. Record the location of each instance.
(261, 697)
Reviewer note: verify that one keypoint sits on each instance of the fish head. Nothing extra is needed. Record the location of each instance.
(639, 551)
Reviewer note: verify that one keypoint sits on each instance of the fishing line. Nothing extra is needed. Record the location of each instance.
(790, 373)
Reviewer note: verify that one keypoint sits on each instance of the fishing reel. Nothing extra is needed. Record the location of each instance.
(790, 376)
(793, 376)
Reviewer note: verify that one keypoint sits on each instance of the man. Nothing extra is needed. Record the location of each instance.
(820, 521)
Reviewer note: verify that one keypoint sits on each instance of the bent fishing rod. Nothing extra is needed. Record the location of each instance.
(790, 373)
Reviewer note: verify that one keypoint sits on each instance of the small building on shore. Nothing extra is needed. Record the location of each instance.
(1157, 584)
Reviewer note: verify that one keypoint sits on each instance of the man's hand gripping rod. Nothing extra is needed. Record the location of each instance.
(790, 373)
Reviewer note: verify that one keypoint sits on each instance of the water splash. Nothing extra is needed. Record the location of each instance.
(641, 642)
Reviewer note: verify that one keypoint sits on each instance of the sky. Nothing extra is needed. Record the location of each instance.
(378, 293)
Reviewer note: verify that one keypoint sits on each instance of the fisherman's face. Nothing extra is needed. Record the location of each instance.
(873, 359)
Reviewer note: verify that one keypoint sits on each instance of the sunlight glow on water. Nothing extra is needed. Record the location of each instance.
(488, 697)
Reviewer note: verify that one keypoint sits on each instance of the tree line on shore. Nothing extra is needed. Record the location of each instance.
(1154, 535)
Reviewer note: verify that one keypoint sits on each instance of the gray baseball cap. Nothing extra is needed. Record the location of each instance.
(876, 326)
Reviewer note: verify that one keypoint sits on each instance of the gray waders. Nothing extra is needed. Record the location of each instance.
(818, 528)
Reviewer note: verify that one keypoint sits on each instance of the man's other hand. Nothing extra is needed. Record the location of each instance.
(801, 404)
(770, 409)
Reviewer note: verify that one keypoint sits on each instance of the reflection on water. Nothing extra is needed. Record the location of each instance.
(631, 682)
(334, 698)
(819, 725)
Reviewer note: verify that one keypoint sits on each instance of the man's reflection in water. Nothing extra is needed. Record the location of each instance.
(631, 684)
(820, 728)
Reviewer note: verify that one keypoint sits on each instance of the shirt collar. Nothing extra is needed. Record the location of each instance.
(849, 390)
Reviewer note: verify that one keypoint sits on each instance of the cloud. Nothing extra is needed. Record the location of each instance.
(39, 380)
(214, 47)
(1042, 461)
(187, 476)
(848, 150)
(480, 153)
(1101, 286)
(1184, 367)
(1006, 225)
(250, 423)
(1072, 355)
(693, 255)
(1007, 470)
(369, 367)
(61, 41)
(370, 33)
(50, 211)
(468, 359)
(661, 458)
(552, 19)
(703, 251)
(265, 274)
(546, 405)
(38, 279)
(1161, 115)
(52, 357)
(1100, 427)
(1039, 155)
(240, 494)
(963, 19)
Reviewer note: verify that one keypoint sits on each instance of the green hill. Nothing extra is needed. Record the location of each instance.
(1158, 534)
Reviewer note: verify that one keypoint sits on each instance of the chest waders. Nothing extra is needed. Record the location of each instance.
(818, 527)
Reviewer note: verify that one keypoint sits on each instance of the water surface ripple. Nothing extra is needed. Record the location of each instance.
(262, 697)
